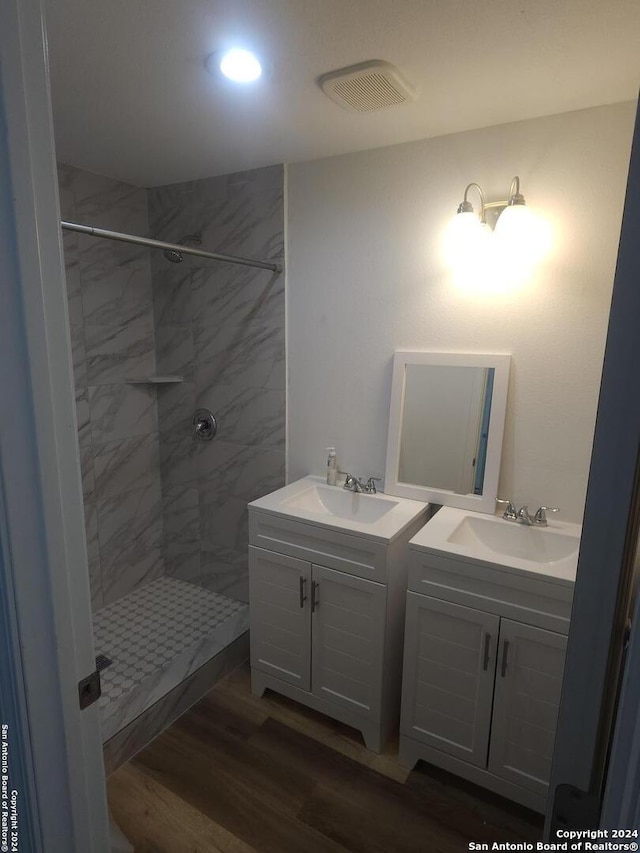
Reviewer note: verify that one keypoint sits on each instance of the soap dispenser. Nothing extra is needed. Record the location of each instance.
(332, 467)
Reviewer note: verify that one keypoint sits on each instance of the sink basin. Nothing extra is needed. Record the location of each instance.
(551, 551)
(311, 500)
(540, 544)
(339, 503)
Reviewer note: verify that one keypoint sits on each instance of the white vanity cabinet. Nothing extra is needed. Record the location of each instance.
(318, 629)
(527, 697)
(449, 673)
(327, 618)
(280, 616)
(483, 665)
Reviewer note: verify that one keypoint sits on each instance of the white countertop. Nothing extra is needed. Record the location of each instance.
(380, 517)
(549, 553)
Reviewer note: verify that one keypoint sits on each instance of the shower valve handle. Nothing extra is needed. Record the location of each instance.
(204, 425)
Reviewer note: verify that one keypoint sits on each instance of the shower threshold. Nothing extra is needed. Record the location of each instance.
(156, 637)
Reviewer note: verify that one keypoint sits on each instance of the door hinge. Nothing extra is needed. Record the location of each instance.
(89, 690)
(574, 809)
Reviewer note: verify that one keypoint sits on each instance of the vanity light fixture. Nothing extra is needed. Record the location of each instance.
(506, 209)
(496, 259)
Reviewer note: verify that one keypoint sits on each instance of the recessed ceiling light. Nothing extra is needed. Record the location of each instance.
(240, 65)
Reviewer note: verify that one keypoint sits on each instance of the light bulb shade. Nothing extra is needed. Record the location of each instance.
(522, 235)
(513, 220)
(466, 240)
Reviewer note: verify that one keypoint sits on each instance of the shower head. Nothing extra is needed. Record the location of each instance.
(177, 257)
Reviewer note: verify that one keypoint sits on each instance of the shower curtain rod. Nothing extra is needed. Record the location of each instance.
(174, 247)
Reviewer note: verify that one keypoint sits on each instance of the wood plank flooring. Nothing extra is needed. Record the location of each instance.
(238, 774)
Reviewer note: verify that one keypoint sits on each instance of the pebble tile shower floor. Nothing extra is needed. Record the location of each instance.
(156, 637)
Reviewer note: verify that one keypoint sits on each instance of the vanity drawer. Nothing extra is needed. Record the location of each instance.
(511, 593)
(342, 551)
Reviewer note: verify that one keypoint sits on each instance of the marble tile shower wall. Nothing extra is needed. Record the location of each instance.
(112, 332)
(222, 328)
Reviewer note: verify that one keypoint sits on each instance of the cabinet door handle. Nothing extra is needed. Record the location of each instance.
(314, 600)
(303, 597)
(487, 646)
(505, 652)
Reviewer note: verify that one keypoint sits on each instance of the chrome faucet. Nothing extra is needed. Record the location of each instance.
(510, 513)
(540, 518)
(521, 516)
(353, 484)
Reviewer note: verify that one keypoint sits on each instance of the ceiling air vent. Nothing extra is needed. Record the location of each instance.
(368, 86)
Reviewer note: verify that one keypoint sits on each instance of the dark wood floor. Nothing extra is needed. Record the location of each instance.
(245, 775)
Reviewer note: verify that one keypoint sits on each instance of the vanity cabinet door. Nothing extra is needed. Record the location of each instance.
(279, 589)
(347, 639)
(449, 671)
(527, 697)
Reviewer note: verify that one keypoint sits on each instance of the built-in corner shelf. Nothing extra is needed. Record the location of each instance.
(154, 380)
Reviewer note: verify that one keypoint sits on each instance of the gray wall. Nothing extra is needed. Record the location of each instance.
(111, 317)
(222, 328)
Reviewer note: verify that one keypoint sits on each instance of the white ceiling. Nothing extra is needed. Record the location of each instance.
(132, 98)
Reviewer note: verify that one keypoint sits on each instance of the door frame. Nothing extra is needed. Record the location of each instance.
(621, 806)
(44, 585)
(609, 533)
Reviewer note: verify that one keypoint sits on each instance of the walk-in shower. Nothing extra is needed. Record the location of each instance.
(156, 347)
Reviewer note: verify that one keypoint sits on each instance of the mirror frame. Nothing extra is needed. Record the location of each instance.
(486, 502)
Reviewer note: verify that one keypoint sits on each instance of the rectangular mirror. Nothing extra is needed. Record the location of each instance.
(445, 428)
